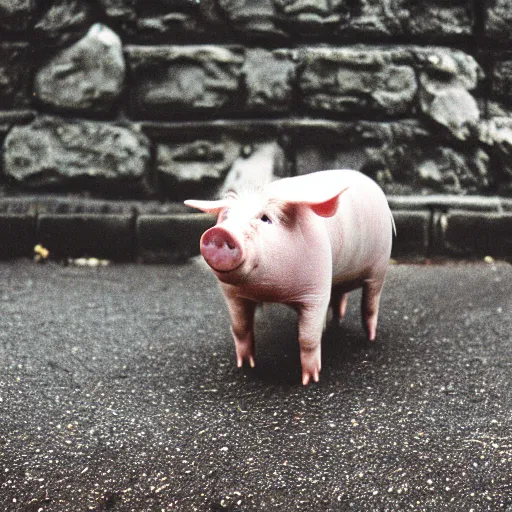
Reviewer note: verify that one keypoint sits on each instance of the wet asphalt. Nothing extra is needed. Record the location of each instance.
(119, 392)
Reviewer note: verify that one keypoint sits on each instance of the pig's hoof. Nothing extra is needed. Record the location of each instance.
(310, 361)
(240, 361)
(308, 377)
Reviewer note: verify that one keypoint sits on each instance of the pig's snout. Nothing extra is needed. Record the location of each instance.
(221, 250)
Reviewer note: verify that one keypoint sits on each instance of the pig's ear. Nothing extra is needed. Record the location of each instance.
(321, 197)
(327, 208)
(208, 206)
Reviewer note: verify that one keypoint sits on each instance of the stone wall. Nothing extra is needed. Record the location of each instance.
(114, 111)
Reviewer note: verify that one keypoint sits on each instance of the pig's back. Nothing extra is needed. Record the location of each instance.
(361, 230)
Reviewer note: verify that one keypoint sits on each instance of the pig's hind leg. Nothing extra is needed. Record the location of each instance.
(338, 305)
(241, 312)
(342, 307)
(372, 290)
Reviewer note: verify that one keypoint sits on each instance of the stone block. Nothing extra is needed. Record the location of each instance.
(196, 168)
(433, 20)
(171, 237)
(183, 81)
(502, 81)
(445, 78)
(17, 232)
(53, 152)
(498, 26)
(254, 19)
(15, 15)
(62, 21)
(413, 233)
(15, 70)
(172, 21)
(107, 236)
(270, 78)
(476, 233)
(496, 133)
(88, 76)
(121, 13)
(356, 80)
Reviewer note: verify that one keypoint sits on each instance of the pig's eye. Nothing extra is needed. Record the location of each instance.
(224, 215)
(266, 219)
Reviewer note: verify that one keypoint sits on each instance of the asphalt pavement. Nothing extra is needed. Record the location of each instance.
(119, 391)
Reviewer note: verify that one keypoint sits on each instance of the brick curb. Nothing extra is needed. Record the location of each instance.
(427, 226)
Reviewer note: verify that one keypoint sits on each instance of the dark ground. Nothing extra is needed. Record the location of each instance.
(119, 391)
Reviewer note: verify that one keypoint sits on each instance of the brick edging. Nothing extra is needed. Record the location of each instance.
(452, 226)
(427, 226)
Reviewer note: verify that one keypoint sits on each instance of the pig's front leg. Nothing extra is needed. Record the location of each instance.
(241, 312)
(311, 321)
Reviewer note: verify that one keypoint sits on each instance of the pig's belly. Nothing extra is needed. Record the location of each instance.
(346, 284)
(356, 268)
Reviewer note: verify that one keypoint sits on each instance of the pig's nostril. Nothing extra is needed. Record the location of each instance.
(220, 242)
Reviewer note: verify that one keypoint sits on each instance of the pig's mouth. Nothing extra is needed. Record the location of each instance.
(221, 250)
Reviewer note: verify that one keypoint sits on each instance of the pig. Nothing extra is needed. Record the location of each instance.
(300, 241)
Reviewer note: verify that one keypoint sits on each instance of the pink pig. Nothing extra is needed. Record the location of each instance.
(294, 241)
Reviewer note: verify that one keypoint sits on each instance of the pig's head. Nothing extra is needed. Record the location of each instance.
(260, 232)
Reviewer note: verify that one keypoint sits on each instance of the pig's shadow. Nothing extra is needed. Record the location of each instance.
(277, 349)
